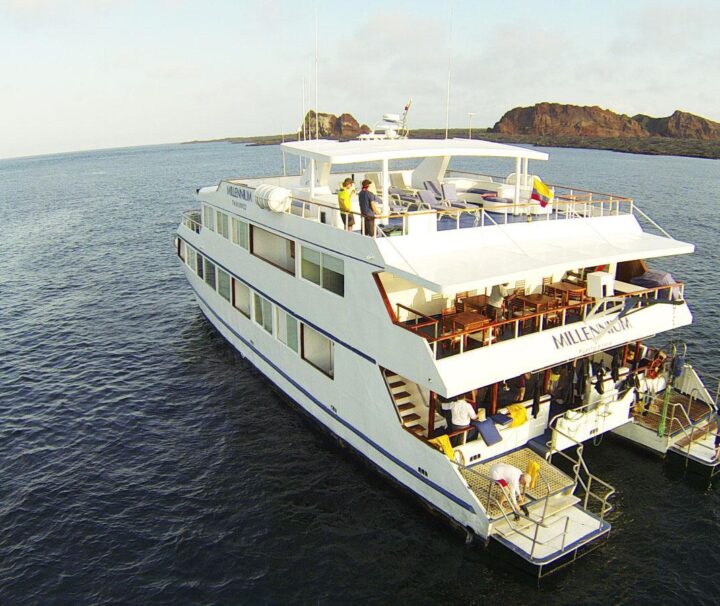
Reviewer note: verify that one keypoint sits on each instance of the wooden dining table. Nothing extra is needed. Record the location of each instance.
(536, 302)
(468, 321)
(533, 303)
(473, 302)
(567, 290)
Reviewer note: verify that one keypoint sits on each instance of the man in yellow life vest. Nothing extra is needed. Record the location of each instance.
(344, 196)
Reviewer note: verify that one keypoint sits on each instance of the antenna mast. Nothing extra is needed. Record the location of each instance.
(447, 105)
(304, 112)
(317, 113)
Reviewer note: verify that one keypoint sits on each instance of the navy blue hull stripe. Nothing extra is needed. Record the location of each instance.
(281, 306)
(327, 410)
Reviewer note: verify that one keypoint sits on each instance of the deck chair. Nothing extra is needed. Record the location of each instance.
(427, 199)
(403, 199)
(397, 180)
(450, 197)
(376, 182)
(434, 188)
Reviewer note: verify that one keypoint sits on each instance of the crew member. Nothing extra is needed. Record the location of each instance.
(368, 207)
(344, 196)
(516, 483)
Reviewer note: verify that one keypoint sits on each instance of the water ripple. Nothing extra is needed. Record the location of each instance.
(137, 465)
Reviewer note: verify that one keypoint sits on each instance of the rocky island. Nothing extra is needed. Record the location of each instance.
(560, 125)
(551, 125)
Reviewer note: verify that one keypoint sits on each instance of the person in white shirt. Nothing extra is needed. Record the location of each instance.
(462, 413)
(515, 480)
(499, 296)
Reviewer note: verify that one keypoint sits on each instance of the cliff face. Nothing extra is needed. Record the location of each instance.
(681, 125)
(572, 121)
(334, 127)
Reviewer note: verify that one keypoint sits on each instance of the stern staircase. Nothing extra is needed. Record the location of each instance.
(410, 404)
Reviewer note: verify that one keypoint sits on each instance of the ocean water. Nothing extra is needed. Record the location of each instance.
(136, 464)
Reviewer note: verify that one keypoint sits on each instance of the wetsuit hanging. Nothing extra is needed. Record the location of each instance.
(600, 378)
(579, 380)
(615, 366)
(678, 364)
(536, 396)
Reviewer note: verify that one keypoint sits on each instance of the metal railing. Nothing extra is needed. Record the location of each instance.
(571, 205)
(586, 481)
(192, 220)
(678, 424)
(568, 203)
(537, 523)
(445, 343)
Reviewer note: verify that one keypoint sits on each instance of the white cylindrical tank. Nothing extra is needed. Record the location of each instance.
(272, 197)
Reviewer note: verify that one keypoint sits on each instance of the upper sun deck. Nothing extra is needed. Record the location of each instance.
(424, 232)
(347, 152)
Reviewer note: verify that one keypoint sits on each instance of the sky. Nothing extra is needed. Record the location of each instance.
(93, 74)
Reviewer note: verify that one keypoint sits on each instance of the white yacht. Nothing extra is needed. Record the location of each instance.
(370, 332)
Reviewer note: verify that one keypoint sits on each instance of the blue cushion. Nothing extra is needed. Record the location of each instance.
(488, 431)
(501, 419)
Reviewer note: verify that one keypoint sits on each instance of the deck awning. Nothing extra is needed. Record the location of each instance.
(456, 260)
(346, 152)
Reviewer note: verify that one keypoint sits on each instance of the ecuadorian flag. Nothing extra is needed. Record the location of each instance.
(541, 192)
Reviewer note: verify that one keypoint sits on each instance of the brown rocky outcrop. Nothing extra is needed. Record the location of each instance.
(572, 121)
(681, 125)
(331, 126)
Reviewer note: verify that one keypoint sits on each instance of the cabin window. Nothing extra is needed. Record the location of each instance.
(263, 312)
(317, 350)
(191, 258)
(199, 266)
(311, 260)
(274, 249)
(240, 234)
(287, 329)
(241, 297)
(223, 284)
(333, 274)
(208, 217)
(210, 273)
(324, 270)
(182, 249)
(222, 224)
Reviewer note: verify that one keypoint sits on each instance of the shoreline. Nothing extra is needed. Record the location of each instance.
(653, 146)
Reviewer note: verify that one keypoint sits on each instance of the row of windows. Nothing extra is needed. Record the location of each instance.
(313, 347)
(327, 271)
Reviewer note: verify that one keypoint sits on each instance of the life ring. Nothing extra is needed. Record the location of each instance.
(655, 366)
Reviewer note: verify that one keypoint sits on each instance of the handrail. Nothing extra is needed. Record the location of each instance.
(653, 223)
(503, 179)
(492, 482)
(538, 523)
(578, 464)
(688, 429)
(564, 205)
(561, 311)
(192, 220)
(416, 312)
(605, 398)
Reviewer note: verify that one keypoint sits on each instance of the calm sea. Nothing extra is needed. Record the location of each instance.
(136, 462)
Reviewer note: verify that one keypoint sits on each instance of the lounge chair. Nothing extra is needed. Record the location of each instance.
(397, 180)
(449, 195)
(428, 199)
(403, 199)
(434, 188)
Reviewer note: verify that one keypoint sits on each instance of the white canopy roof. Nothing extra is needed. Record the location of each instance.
(346, 152)
(456, 260)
